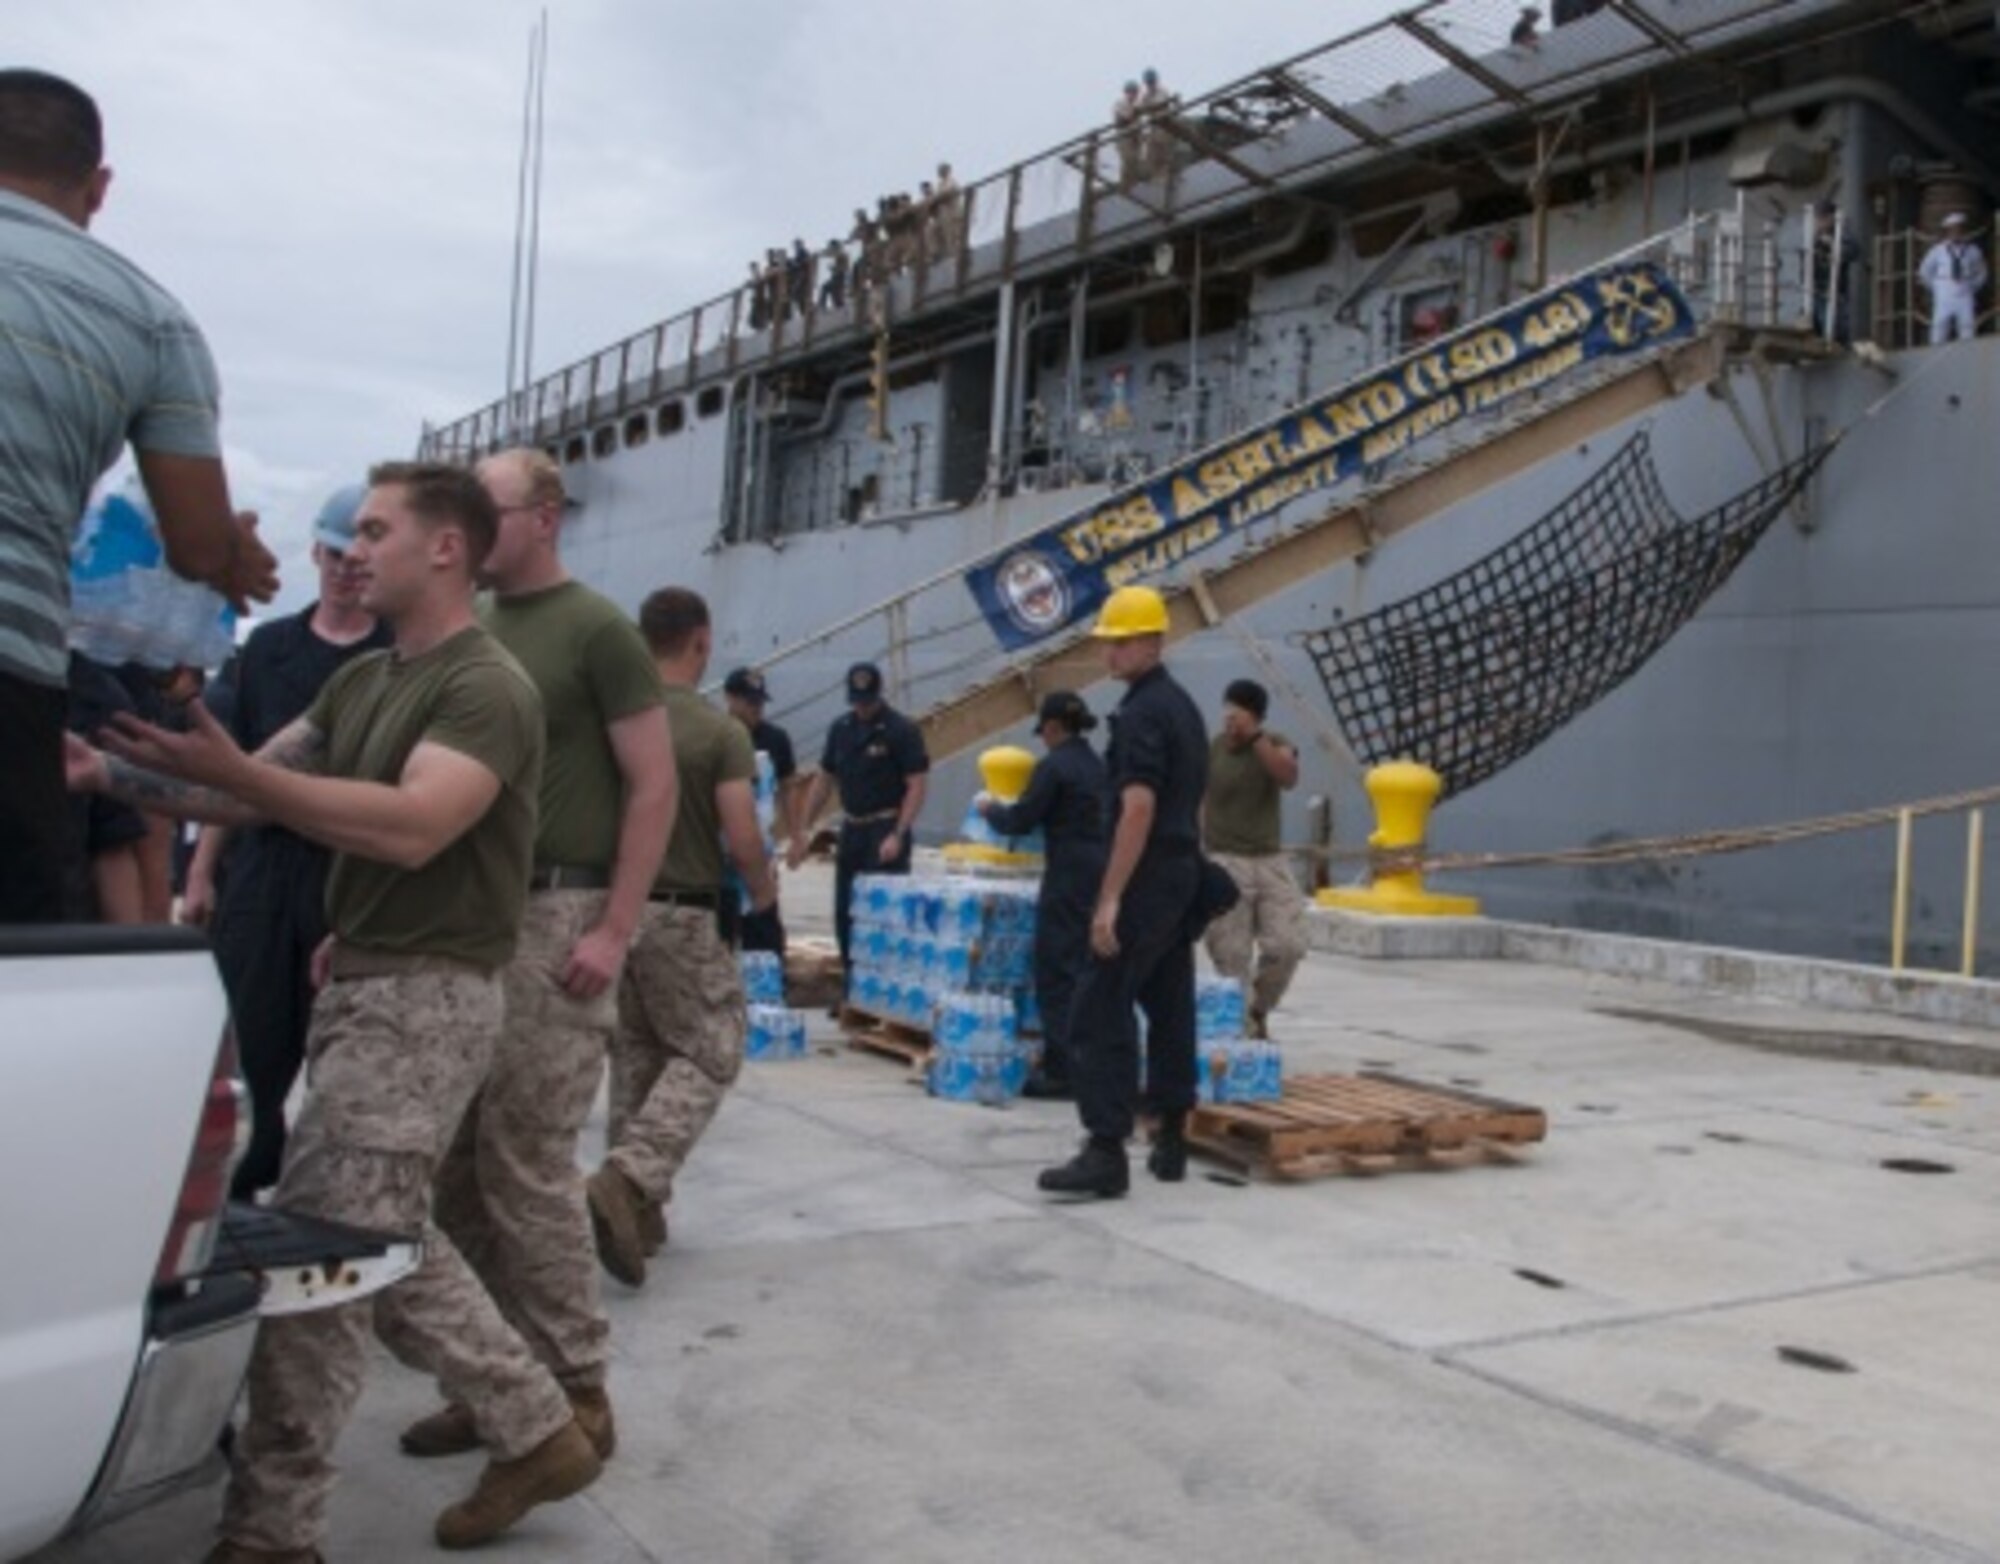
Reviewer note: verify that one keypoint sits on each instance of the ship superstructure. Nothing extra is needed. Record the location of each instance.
(1094, 319)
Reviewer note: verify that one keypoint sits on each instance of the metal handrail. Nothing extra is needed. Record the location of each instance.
(1628, 34)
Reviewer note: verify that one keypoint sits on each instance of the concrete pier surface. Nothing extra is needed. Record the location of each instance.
(1704, 1321)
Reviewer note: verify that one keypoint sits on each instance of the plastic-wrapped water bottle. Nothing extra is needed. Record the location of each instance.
(763, 977)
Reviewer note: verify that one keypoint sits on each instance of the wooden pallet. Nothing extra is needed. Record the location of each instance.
(1365, 1123)
(879, 1035)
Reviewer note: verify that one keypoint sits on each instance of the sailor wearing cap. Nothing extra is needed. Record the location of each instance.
(746, 694)
(1069, 799)
(1953, 271)
(1142, 927)
(268, 913)
(875, 756)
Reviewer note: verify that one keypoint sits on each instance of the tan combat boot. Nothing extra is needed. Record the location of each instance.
(652, 1228)
(447, 1431)
(615, 1207)
(451, 1431)
(593, 1415)
(563, 1464)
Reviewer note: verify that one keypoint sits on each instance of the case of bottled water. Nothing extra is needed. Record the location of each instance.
(1218, 1007)
(775, 1033)
(127, 606)
(979, 1055)
(1239, 1069)
(763, 977)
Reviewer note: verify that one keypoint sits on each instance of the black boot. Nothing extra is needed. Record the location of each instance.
(1099, 1169)
(1167, 1161)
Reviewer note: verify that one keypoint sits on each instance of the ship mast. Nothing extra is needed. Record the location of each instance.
(527, 232)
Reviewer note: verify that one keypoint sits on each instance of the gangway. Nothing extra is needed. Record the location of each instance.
(946, 669)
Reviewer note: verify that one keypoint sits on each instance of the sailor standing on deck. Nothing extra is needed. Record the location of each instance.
(1069, 799)
(1954, 271)
(875, 756)
(418, 767)
(510, 1193)
(1141, 932)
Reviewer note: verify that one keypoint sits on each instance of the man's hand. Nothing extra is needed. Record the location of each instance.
(252, 573)
(83, 767)
(593, 965)
(320, 969)
(891, 847)
(795, 852)
(1104, 930)
(205, 754)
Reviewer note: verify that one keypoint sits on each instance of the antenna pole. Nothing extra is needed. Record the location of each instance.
(541, 82)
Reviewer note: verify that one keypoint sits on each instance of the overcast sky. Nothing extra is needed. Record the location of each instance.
(329, 187)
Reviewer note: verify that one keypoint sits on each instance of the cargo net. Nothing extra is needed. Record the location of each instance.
(1469, 675)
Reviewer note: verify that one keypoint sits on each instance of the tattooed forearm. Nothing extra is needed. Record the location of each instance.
(165, 795)
(299, 746)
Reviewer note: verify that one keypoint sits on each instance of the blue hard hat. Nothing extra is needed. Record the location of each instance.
(334, 525)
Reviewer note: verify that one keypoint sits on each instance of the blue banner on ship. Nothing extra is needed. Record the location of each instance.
(1060, 575)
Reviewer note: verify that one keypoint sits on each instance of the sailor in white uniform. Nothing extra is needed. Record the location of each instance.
(1953, 270)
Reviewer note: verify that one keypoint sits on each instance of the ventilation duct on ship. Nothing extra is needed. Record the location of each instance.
(1781, 163)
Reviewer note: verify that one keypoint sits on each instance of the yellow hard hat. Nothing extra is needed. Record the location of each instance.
(1131, 611)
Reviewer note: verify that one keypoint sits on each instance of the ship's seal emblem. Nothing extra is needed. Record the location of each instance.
(1033, 592)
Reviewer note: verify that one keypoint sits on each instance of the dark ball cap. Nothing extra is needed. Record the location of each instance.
(1066, 707)
(1250, 695)
(864, 684)
(747, 684)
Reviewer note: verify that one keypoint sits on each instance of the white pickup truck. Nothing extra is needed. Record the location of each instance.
(123, 1341)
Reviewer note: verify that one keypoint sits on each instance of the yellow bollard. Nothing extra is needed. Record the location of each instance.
(1403, 793)
(1005, 771)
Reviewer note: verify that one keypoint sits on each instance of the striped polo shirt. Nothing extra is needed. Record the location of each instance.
(93, 353)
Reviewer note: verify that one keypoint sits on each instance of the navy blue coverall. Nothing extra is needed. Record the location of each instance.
(1069, 799)
(1158, 742)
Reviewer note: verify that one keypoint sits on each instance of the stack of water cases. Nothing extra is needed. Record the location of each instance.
(1232, 1067)
(979, 1054)
(775, 1032)
(918, 938)
(127, 606)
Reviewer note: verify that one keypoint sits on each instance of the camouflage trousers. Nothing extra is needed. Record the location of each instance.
(1270, 921)
(681, 1026)
(510, 1193)
(391, 1064)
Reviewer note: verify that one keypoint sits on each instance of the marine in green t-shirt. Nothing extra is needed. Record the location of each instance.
(592, 669)
(1241, 807)
(466, 694)
(710, 748)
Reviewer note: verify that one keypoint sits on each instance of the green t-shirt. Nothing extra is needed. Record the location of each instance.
(710, 748)
(592, 668)
(468, 695)
(1240, 809)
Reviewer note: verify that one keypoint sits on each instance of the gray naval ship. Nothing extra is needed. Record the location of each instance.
(1550, 399)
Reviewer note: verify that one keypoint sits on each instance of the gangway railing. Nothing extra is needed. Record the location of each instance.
(1431, 71)
(945, 666)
